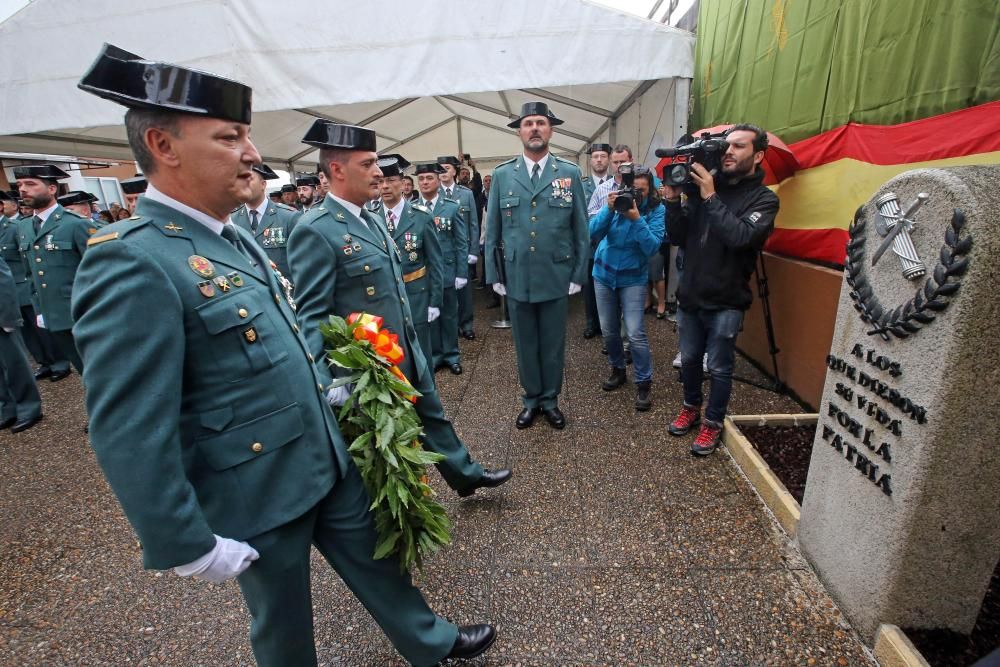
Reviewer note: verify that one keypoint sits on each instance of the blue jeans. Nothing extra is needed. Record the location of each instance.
(614, 305)
(713, 332)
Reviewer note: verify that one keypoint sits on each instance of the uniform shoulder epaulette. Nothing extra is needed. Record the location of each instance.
(585, 178)
(421, 208)
(512, 160)
(453, 201)
(75, 214)
(117, 230)
(286, 207)
(564, 160)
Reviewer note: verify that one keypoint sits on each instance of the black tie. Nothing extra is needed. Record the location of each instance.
(535, 171)
(37, 222)
(253, 220)
(230, 234)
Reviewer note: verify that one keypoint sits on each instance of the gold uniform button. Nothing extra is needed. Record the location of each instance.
(242, 312)
(534, 219)
(532, 248)
(367, 268)
(257, 447)
(320, 387)
(44, 285)
(402, 300)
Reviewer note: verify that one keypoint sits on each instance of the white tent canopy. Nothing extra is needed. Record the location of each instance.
(431, 78)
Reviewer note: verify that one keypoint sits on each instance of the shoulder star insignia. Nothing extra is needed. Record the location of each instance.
(172, 227)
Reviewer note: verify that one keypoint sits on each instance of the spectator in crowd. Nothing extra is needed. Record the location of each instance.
(408, 191)
(124, 214)
(105, 217)
(626, 241)
(722, 225)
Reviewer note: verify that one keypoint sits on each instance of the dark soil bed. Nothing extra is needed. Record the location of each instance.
(787, 449)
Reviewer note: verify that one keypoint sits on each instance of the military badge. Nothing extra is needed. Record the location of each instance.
(347, 238)
(236, 279)
(340, 216)
(207, 288)
(370, 291)
(49, 243)
(357, 247)
(171, 226)
(222, 282)
(348, 250)
(201, 266)
(91, 231)
(413, 256)
(250, 334)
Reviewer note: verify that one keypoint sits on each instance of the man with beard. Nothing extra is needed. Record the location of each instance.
(600, 159)
(208, 411)
(721, 226)
(270, 224)
(412, 228)
(537, 215)
(305, 185)
(469, 211)
(52, 243)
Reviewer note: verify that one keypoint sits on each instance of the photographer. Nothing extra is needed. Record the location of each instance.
(721, 226)
(627, 236)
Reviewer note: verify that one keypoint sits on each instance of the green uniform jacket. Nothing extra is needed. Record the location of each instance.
(452, 232)
(273, 231)
(417, 240)
(12, 255)
(51, 258)
(588, 189)
(341, 266)
(542, 229)
(470, 213)
(206, 410)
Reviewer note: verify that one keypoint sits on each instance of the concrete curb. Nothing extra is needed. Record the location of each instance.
(894, 649)
(774, 494)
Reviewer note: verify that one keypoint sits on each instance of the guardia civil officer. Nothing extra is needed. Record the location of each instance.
(51, 363)
(600, 159)
(305, 185)
(78, 202)
(344, 262)
(451, 189)
(290, 196)
(537, 215)
(20, 404)
(208, 412)
(52, 243)
(270, 224)
(133, 188)
(412, 228)
(451, 231)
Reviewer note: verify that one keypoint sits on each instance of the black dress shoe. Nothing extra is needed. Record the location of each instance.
(489, 480)
(473, 640)
(59, 375)
(7, 423)
(43, 372)
(526, 418)
(25, 425)
(555, 418)
(469, 335)
(456, 369)
(589, 333)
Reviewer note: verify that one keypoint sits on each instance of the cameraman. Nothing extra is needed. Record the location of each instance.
(721, 226)
(626, 240)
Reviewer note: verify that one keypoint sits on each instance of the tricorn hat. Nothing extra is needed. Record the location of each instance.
(76, 197)
(275, 194)
(389, 166)
(127, 79)
(450, 159)
(327, 134)
(134, 186)
(535, 109)
(7, 196)
(429, 168)
(403, 162)
(288, 187)
(307, 179)
(45, 172)
(597, 148)
(265, 172)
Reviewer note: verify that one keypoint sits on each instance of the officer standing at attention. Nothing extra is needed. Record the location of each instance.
(451, 231)
(600, 159)
(467, 206)
(213, 429)
(52, 243)
(20, 404)
(344, 262)
(412, 228)
(51, 363)
(537, 215)
(270, 224)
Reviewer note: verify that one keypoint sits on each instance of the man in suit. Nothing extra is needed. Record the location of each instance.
(343, 262)
(469, 211)
(451, 232)
(270, 224)
(208, 412)
(20, 404)
(537, 217)
(600, 156)
(52, 243)
(412, 229)
(51, 363)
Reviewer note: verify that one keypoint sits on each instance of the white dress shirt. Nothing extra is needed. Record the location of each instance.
(531, 164)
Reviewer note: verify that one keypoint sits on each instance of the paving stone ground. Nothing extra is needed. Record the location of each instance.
(611, 545)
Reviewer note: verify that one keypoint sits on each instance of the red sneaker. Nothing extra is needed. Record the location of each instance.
(707, 440)
(685, 421)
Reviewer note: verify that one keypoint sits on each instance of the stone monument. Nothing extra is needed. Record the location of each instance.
(901, 514)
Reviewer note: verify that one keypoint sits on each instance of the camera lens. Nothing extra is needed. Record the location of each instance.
(675, 174)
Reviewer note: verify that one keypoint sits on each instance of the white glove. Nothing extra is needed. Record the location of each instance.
(433, 313)
(460, 283)
(574, 288)
(337, 396)
(40, 321)
(500, 289)
(473, 259)
(228, 559)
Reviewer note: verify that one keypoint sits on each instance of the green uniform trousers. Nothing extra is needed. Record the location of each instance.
(18, 392)
(540, 343)
(445, 331)
(67, 347)
(465, 307)
(39, 343)
(425, 336)
(277, 589)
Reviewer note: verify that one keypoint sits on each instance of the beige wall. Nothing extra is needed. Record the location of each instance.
(804, 311)
(121, 172)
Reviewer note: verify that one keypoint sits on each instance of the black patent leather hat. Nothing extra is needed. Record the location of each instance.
(307, 179)
(45, 172)
(403, 162)
(535, 109)
(76, 197)
(597, 148)
(134, 186)
(389, 166)
(327, 134)
(429, 168)
(266, 172)
(127, 79)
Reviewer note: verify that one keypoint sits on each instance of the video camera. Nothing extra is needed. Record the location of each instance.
(706, 151)
(625, 192)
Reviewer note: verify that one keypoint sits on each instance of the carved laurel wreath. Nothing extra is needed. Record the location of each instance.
(932, 298)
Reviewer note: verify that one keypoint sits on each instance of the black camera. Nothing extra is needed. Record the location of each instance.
(706, 151)
(626, 191)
